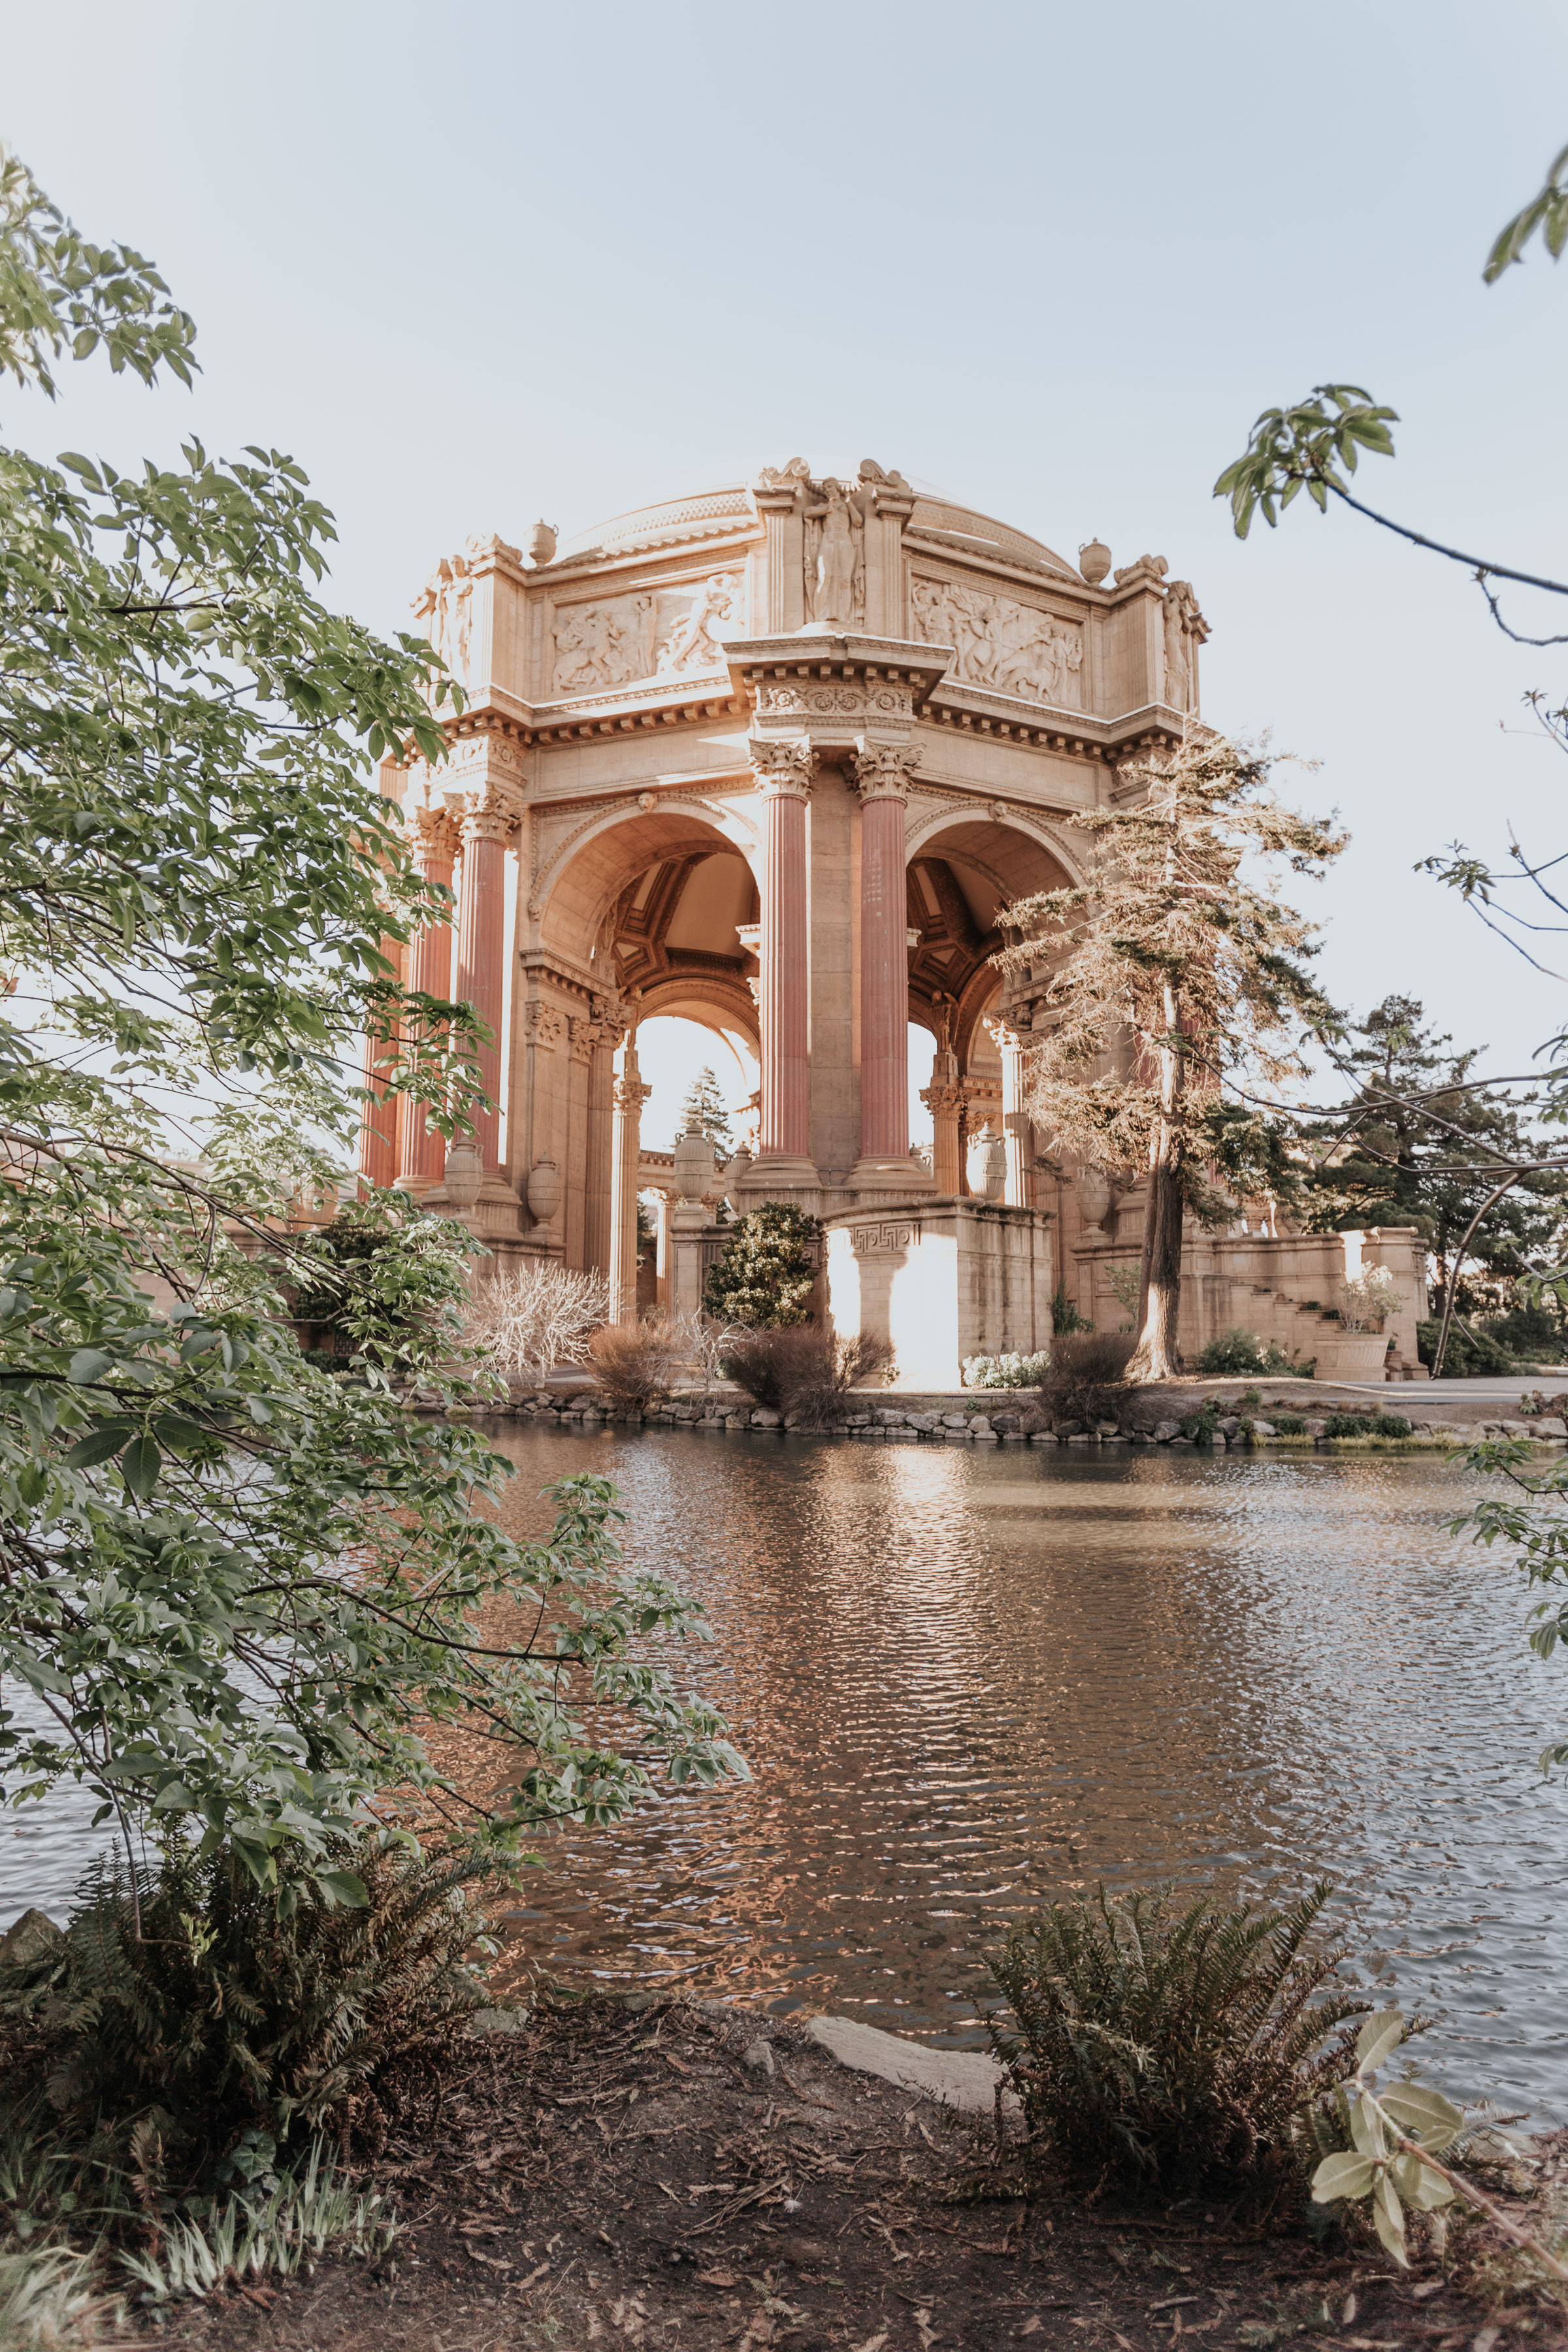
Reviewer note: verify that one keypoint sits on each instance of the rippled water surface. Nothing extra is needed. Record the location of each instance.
(968, 1681)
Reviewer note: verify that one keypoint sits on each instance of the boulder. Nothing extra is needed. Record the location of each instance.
(1316, 1426)
(1549, 1426)
(889, 1420)
(765, 1417)
(1006, 1419)
(1166, 1432)
(32, 1938)
(1264, 1429)
(955, 1421)
(1230, 1422)
(924, 1422)
(980, 1426)
(1043, 1437)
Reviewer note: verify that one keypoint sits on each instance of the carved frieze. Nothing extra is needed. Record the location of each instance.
(872, 1240)
(873, 702)
(652, 633)
(1015, 648)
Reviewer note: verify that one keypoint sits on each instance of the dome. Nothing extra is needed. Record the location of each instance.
(714, 504)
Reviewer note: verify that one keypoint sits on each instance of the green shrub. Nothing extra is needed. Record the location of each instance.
(1532, 1331)
(1366, 1424)
(222, 2018)
(767, 1274)
(1237, 1352)
(1177, 2047)
(1009, 1371)
(1065, 1317)
(1288, 1424)
(1200, 1426)
(1469, 1354)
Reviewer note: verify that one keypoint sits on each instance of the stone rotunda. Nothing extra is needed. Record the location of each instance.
(772, 756)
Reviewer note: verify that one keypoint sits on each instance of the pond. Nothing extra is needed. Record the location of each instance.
(970, 1680)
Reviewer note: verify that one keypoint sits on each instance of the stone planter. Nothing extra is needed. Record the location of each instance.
(1352, 1356)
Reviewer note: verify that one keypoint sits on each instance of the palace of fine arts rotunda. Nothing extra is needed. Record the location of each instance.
(771, 756)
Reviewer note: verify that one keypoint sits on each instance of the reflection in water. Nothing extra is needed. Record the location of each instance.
(967, 1682)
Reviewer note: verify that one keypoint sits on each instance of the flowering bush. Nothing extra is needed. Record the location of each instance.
(1010, 1371)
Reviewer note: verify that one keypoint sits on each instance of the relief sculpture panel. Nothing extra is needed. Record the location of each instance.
(653, 632)
(1016, 648)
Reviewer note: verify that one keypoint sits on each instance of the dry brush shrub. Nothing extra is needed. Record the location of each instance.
(528, 1318)
(1161, 2047)
(1087, 1376)
(804, 1374)
(636, 1363)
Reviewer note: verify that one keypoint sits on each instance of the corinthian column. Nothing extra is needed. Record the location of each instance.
(424, 1153)
(626, 1144)
(882, 774)
(1016, 1134)
(488, 825)
(783, 776)
(944, 1099)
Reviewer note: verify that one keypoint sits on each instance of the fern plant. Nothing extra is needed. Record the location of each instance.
(1176, 2046)
(221, 2017)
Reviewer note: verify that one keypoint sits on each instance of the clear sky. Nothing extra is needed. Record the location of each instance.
(475, 265)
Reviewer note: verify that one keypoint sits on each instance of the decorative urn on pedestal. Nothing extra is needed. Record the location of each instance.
(463, 1177)
(542, 544)
(694, 1166)
(1093, 1193)
(1094, 562)
(543, 1196)
(987, 1165)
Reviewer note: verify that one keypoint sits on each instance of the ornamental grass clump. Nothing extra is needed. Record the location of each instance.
(1087, 1380)
(637, 1363)
(1162, 2047)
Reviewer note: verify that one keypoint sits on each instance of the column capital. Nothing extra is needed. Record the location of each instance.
(435, 835)
(1002, 1034)
(885, 770)
(630, 1093)
(783, 770)
(946, 1095)
(490, 812)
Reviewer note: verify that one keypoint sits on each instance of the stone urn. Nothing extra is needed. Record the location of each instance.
(1092, 1191)
(542, 544)
(987, 1166)
(1094, 562)
(464, 1177)
(1350, 1355)
(544, 1195)
(694, 1165)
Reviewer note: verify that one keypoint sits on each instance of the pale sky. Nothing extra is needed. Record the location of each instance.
(476, 265)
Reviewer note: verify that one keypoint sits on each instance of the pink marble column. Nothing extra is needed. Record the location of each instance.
(882, 778)
(482, 948)
(423, 1155)
(782, 773)
(380, 1132)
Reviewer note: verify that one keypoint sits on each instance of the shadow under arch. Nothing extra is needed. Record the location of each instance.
(581, 877)
(962, 867)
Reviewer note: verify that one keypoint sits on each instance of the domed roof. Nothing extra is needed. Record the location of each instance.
(716, 502)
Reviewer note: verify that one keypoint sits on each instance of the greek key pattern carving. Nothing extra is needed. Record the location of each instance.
(869, 1240)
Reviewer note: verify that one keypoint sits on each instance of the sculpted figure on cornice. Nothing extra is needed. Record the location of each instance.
(1184, 631)
(667, 633)
(443, 608)
(834, 515)
(1000, 643)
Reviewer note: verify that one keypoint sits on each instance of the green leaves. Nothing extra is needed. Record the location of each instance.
(1381, 2035)
(1547, 211)
(1307, 445)
(1344, 2175)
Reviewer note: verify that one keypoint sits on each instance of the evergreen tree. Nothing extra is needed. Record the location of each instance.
(766, 1275)
(1426, 1147)
(1170, 944)
(704, 1110)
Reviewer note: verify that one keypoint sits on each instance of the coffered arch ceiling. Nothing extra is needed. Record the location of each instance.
(674, 933)
(959, 880)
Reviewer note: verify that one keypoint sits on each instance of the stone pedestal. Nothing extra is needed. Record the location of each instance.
(689, 1222)
(941, 1280)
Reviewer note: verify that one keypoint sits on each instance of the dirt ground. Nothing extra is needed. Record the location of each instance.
(618, 2179)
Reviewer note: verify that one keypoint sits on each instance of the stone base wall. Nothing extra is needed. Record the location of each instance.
(941, 1280)
(1277, 1288)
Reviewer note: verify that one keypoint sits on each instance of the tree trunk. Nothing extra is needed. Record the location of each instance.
(1154, 1357)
